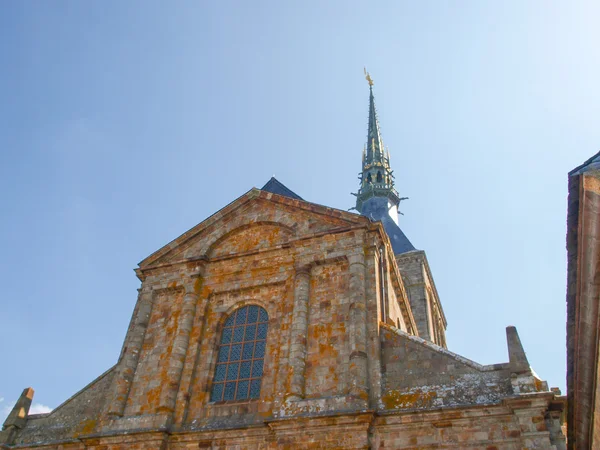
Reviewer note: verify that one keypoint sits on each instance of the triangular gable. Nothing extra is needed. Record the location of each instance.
(216, 227)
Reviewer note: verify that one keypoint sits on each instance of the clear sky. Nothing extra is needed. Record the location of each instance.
(123, 124)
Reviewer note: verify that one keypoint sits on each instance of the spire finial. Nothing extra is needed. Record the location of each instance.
(368, 77)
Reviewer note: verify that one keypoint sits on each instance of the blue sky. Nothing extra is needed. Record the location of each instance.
(123, 124)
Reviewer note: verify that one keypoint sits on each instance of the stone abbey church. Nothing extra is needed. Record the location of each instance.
(281, 323)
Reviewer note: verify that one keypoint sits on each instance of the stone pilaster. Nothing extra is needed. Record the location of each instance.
(373, 317)
(191, 361)
(168, 396)
(297, 355)
(131, 352)
(358, 337)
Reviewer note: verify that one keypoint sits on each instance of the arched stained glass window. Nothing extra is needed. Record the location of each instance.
(241, 355)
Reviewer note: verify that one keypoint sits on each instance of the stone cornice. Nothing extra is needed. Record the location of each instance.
(143, 273)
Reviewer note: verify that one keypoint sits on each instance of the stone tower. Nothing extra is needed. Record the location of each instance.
(378, 199)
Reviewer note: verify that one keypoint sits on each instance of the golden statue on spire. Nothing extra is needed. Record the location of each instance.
(368, 77)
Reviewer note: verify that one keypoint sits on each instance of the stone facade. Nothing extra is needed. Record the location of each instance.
(279, 323)
(344, 365)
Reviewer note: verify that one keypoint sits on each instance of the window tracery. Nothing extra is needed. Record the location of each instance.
(240, 355)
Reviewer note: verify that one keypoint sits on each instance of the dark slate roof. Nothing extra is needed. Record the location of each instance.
(275, 187)
(591, 164)
(376, 209)
(400, 243)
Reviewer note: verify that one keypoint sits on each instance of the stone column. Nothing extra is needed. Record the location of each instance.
(299, 329)
(131, 353)
(358, 319)
(181, 342)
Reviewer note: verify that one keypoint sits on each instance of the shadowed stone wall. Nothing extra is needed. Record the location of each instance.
(583, 306)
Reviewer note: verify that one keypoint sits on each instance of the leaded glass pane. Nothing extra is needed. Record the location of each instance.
(220, 372)
(226, 339)
(250, 333)
(259, 349)
(252, 314)
(247, 350)
(229, 391)
(230, 320)
(240, 317)
(236, 352)
(238, 334)
(262, 315)
(257, 368)
(255, 388)
(232, 371)
(245, 369)
(217, 392)
(242, 390)
(223, 353)
(262, 331)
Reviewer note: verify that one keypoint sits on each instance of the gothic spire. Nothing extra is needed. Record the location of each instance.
(375, 149)
(377, 198)
(376, 178)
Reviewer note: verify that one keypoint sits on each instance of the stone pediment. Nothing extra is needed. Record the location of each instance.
(255, 221)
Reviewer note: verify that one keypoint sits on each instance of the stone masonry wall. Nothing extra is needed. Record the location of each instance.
(76, 417)
(155, 353)
(327, 350)
(425, 305)
(411, 268)
(395, 314)
(515, 424)
(421, 375)
(252, 237)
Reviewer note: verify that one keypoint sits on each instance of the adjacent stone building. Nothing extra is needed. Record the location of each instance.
(281, 323)
(583, 305)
